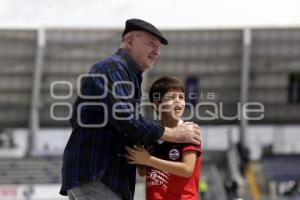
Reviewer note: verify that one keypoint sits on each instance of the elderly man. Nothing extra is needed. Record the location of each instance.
(105, 120)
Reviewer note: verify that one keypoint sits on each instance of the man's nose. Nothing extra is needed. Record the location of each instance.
(156, 51)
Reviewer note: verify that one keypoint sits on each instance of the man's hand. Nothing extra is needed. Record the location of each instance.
(187, 132)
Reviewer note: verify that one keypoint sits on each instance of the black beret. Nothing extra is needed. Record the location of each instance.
(138, 24)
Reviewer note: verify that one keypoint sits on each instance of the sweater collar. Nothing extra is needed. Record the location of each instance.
(132, 65)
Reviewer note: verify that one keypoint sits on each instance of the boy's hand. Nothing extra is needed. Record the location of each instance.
(137, 155)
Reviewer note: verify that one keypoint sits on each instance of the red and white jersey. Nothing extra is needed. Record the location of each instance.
(165, 186)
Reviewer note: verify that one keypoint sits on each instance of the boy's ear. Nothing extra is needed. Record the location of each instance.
(156, 103)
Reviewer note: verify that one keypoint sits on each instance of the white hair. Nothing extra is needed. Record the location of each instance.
(127, 35)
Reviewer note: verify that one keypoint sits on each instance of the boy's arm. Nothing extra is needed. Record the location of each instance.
(185, 168)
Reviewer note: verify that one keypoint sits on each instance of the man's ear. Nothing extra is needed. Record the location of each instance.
(129, 40)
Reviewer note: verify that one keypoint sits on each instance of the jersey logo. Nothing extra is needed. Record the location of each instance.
(174, 154)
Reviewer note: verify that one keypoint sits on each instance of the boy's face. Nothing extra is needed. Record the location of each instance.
(172, 105)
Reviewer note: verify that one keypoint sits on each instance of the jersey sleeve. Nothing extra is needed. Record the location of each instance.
(191, 147)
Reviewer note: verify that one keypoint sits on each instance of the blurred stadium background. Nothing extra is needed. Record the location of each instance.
(247, 159)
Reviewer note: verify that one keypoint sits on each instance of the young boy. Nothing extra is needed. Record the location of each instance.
(172, 170)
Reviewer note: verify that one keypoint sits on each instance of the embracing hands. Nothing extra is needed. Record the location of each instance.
(137, 155)
(187, 132)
